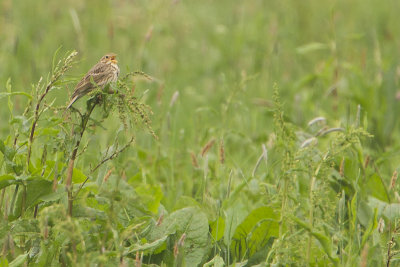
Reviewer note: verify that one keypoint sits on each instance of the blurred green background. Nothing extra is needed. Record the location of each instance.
(216, 66)
(223, 58)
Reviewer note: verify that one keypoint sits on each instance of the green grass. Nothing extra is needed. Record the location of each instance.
(229, 79)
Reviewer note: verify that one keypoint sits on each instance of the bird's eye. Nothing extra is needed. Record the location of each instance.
(106, 56)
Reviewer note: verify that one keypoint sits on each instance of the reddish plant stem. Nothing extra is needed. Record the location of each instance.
(36, 119)
(70, 170)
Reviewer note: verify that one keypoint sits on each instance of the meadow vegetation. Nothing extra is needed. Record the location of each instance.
(251, 133)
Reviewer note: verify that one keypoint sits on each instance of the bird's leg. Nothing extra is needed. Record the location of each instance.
(93, 101)
(99, 97)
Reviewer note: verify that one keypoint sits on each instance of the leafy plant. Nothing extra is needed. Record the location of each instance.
(269, 137)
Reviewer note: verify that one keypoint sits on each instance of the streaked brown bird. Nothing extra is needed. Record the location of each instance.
(104, 72)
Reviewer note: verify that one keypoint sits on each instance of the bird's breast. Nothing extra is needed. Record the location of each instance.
(115, 68)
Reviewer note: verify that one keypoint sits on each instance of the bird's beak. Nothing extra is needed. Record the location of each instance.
(114, 59)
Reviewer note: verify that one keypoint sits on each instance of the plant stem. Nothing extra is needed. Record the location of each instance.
(23, 204)
(68, 183)
(283, 208)
(389, 254)
(37, 116)
(14, 198)
(284, 195)
(104, 160)
(311, 218)
(58, 72)
(3, 191)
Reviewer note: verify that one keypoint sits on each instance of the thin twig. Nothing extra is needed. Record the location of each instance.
(138, 73)
(58, 72)
(264, 155)
(104, 160)
(113, 155)
(36, 118)
(68, 182)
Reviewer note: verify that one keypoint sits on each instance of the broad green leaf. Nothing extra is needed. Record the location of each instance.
(210, 207)
(184, 202)
(234, 196)
(376, 188)
(35, 189)
(326, 245)
(351, 169)
(260, 255)
(166, 228)
(78, 176)
(148, 246)
(235, 214)
(97, 203)
(130, 206)
(12, 167)
(142, 225)
(255, 231)
(53, 196)
(217, 229)
(217, 261)
(8, 152)
(382, 206)
(192, 223)
(364, 213)
(241, 264)
(6, 180)
(18, 261)
(150, 195)
(49, 131)
(3, 262)
(371, 227)
(392, 211)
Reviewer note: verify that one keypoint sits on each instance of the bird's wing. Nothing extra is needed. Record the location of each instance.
(95, 76)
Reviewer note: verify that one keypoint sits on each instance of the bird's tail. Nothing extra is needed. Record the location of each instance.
(72, 101)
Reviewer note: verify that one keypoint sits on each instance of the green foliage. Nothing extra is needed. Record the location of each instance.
(266, 135)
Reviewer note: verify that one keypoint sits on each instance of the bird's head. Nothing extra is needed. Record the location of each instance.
(109, 58)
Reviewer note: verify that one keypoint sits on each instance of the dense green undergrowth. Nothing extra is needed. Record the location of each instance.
(318, 192)
(265, 134)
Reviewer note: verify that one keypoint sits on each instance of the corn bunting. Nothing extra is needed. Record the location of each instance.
(104, 72)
